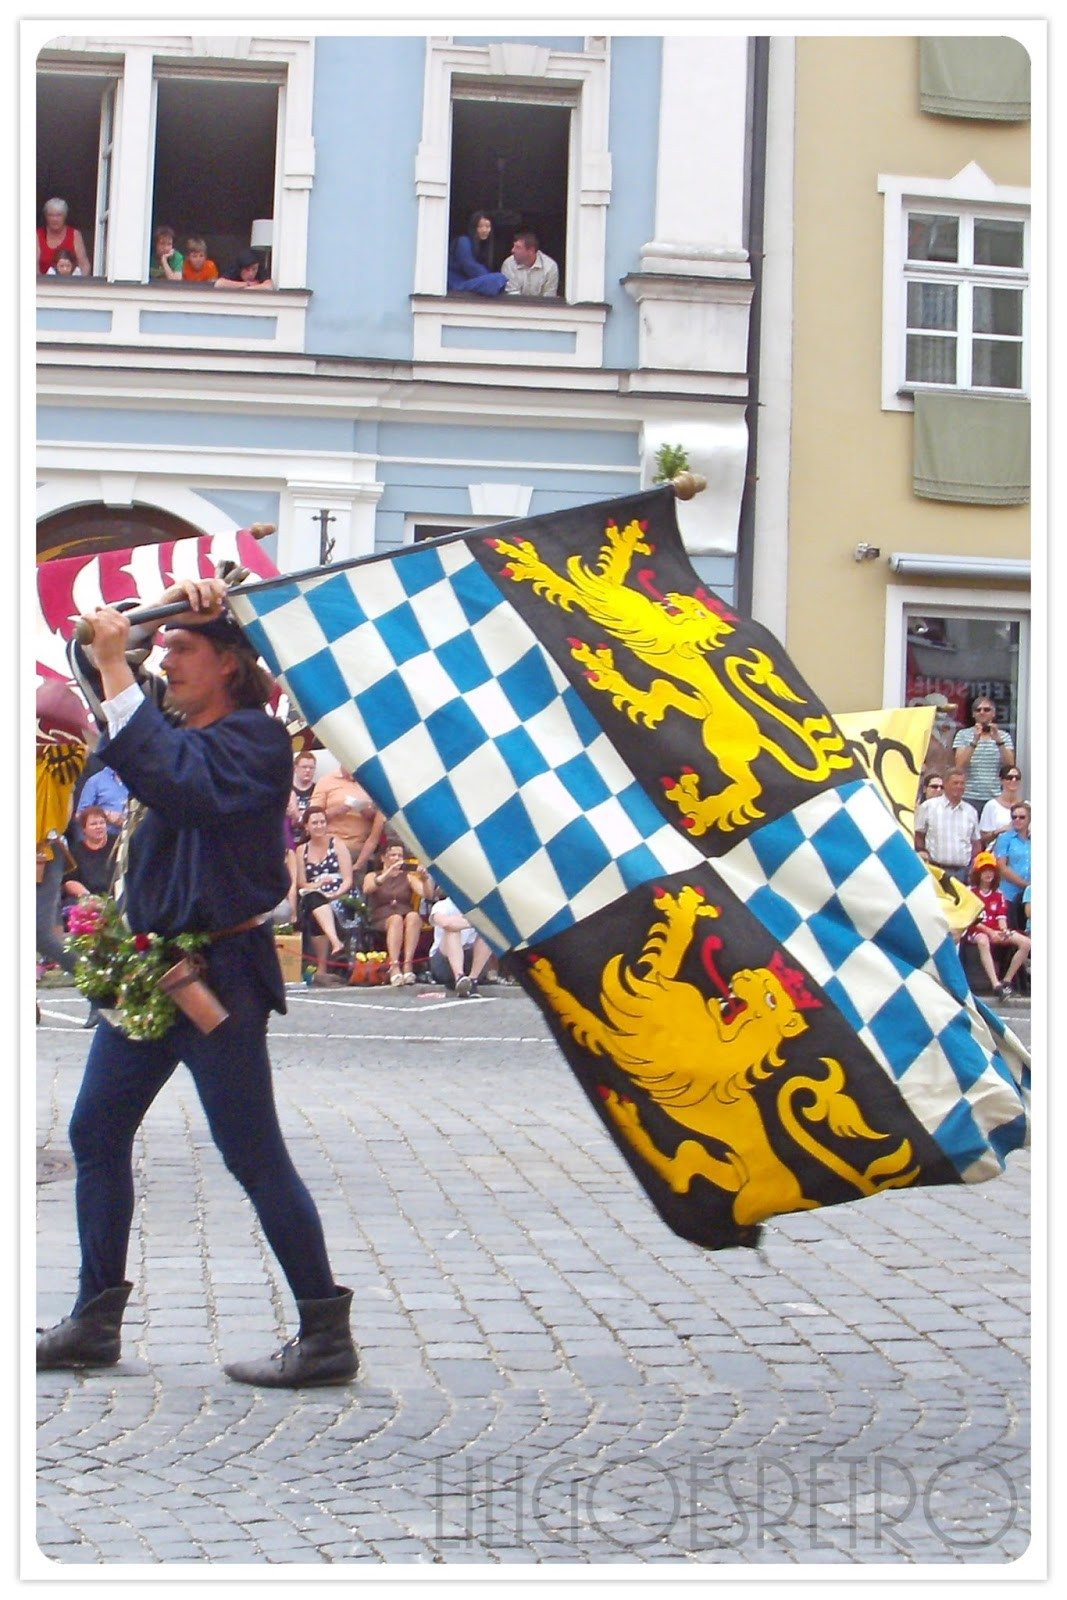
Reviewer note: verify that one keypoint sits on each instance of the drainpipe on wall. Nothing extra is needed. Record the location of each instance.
(755, 200)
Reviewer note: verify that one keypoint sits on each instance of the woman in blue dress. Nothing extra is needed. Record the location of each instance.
(470, 259)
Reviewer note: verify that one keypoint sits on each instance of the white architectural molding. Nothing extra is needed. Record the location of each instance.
(160, 491)
(507, 331)
(352, 507)
(167, 316)
(692, 323)
(586, 75)
(694, 285)
(500, 500)
(770, 544)
(700, 201)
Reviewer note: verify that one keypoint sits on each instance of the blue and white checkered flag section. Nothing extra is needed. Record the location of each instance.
(637, 798)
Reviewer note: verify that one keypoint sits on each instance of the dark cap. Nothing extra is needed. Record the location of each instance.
(222, 629)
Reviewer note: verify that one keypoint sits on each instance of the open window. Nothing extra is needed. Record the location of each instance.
(75, 135)
(207, 142)
(510, 157)
(215, 145)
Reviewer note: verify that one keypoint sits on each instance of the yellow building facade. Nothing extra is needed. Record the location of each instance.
(908, 491)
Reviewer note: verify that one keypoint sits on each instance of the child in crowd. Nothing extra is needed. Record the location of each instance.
(197, 268)
(992, 929)
(166, 261)
(64, 265)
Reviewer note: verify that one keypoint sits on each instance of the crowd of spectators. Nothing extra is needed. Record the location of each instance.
(973, 823)
(61, 253)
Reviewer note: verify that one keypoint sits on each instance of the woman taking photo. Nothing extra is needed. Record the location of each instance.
(323, 875)
(394, 895)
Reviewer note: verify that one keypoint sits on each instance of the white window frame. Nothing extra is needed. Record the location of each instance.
(586, 74)
(129, 235)
(968, 195)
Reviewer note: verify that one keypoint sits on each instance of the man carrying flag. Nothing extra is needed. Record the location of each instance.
(205, 857)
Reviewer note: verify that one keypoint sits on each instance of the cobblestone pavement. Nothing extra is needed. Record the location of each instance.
(548, 1374)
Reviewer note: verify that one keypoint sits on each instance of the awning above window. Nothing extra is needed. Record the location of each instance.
(972, 448)
(975, 77)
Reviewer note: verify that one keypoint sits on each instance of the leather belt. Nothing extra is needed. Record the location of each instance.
(241, 927)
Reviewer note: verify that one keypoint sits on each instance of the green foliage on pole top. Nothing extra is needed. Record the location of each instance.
(670, 460)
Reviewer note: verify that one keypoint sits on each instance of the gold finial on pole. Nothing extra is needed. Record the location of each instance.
(687, 484)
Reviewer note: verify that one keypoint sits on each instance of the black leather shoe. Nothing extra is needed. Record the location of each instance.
(321, 1353)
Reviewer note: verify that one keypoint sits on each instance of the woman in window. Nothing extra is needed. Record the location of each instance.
(470, 259)
(246, 273)
(58, 235)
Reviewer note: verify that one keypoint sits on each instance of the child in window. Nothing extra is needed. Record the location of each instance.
(64, 265)
(166, 261)
(196, 267)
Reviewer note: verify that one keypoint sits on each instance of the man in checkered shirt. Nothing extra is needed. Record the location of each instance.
(946, 827)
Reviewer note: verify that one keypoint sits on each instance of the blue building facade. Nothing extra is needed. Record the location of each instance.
(356, 400)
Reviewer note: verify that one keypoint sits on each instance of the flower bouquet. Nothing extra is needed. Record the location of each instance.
(120, 971)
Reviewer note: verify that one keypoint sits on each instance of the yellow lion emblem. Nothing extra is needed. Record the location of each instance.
(700, 1066)
(672, 636)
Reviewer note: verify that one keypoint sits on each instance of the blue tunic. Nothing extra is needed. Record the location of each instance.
(466, 272)
(210, 851)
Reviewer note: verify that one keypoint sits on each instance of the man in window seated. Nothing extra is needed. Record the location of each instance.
(528, 270)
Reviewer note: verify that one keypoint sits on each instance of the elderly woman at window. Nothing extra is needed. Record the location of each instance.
(58, 235)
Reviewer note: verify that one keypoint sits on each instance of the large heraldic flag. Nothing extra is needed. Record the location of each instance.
(632, 791)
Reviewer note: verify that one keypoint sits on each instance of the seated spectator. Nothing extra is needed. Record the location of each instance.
(91, 845)
(300, 796)
(946, 828)
(323, 875)
(57, 234)
(167, 262)
(352, 816)
(64, 266)
(528, 270)
(196, 268)
(287, 912)
(247, 272)
(991, 931)
(105, 788)
(394, 896)
(996, 813)
(459, 954)
(1012, 850)
(470, 260)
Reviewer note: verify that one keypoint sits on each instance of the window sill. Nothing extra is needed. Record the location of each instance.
(163, 315)
(508, 330)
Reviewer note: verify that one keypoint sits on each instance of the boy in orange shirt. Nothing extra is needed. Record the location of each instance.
(196, 267)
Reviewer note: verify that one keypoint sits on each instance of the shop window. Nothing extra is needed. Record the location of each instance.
(950, 658)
